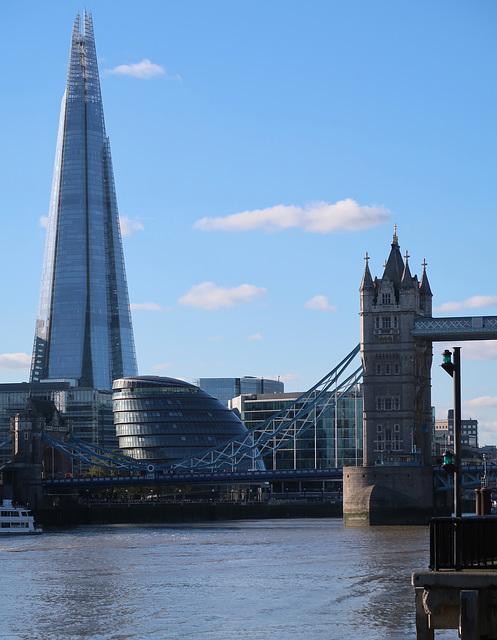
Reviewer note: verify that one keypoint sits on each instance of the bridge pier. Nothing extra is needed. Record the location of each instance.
(22, 484)
(387, 496)
(31, 456)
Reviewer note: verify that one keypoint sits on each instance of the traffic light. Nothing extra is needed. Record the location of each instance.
(449, 463)
(447, 363)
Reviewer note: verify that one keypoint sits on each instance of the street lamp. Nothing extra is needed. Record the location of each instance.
(453, 368)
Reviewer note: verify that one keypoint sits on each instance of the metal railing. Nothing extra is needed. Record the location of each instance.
(463, 543)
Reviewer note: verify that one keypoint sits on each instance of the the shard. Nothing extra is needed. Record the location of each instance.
(83, 328)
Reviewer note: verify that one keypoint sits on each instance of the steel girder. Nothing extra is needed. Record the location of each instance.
(94, 455)
(273, 434)
(285, 426)
(443, 329)
(472, 476)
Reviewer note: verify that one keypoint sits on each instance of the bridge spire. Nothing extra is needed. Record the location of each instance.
(407, 281)
(367, 280)
(424, 286)
(394, 267)
(425, 294)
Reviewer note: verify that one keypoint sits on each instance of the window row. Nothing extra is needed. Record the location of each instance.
(388, 403)
(220, 429)
(396, 428)
(386, 322)
(165, 441)
(386, 445)
(387, 368)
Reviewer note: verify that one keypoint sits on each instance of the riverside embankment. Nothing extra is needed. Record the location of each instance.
(159, 512)
(173, 512)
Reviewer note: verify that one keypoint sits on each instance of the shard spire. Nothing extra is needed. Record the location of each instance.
(83, 327)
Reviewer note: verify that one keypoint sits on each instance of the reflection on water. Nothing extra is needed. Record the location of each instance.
(278, 579)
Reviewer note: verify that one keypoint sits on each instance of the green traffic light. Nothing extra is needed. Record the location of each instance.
(449, 463)
(448, 458)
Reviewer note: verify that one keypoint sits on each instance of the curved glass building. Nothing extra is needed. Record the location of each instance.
(163, 419)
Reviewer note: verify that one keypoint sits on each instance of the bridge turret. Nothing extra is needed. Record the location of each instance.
(367, 288)
(409, 289)
(425, 294)
(32, 457)
(397, 390)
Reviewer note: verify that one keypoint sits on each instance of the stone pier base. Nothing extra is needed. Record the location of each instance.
(387, 496)
(463, 600)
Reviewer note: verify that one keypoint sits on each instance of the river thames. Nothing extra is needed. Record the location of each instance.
(258, 580)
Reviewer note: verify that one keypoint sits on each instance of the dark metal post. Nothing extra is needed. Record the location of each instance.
(453, 368)
(458, 453)
(457, 433)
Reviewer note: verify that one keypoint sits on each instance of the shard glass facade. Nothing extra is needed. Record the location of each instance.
(83, 327)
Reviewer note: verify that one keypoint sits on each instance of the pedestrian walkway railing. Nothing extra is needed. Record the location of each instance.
(463, 543)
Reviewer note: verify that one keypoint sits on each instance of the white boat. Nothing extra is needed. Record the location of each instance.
(16, 520)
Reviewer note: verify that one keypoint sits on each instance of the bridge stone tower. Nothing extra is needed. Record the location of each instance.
(32, 457)
(394, 485)
(397, 384)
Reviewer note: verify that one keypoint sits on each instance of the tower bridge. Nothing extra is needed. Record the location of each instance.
(84, 339)
(397, 332)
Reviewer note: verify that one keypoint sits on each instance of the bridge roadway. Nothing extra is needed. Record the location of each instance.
(442, 481)
(459, 329)
(195, 477)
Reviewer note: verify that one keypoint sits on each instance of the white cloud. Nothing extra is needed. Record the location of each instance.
(255, 336)
(317, 217)
(15, 361)
(43, 222)
(144, 69)
(319, 303)
(215, 338)
(476, 302)
(161, 367)
(483, 401)
(288, 377)
(129, 227)
(209, 296)
(472, 350)
(481, 350)
(146, 306)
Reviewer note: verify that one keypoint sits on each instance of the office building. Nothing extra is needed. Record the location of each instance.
(444, 434)
(334, 440)
(83, 328)
(83, 336)
(224, 389)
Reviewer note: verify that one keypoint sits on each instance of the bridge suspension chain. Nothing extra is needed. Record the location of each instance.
(94, 455)
(282, 428)
(247, 449)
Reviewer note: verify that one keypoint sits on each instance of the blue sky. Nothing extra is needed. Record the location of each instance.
(260, 149)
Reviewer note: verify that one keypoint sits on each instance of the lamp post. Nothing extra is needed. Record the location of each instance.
(453, 368)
